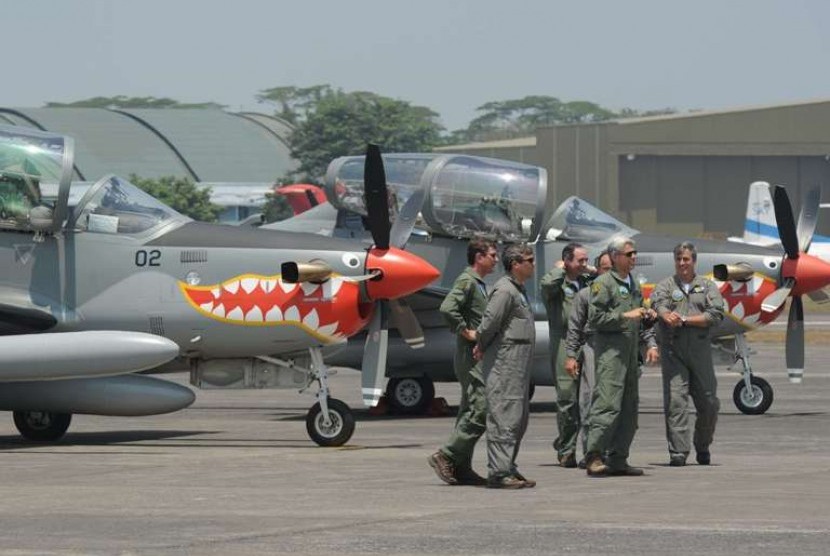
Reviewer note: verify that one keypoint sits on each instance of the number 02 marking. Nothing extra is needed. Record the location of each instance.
(147, 258)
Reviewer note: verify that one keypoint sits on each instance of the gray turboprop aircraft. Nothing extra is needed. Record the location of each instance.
(122, 282)
(509, 202)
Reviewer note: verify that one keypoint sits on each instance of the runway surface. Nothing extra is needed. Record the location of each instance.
(236, 474)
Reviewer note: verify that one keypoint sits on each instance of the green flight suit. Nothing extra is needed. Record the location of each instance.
(506, 336)
(612, 420)
(462, 309)
(686, 354)
(558, 295)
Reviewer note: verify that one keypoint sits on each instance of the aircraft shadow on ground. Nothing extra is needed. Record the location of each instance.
(103, 438)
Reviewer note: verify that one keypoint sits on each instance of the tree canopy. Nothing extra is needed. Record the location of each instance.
(331, 123)
(182, 195)
(122, 101)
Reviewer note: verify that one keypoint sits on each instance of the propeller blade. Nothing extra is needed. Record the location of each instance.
(377, 197)
(819, 296)
(795, 341)
(374, 357)
(406, 218)
(777, 298)
(808, 218)
(786, 222)
(402, 317)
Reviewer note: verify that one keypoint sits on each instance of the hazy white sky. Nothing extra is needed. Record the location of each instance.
(450, 55)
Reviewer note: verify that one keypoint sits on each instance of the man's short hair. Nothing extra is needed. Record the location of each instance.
(685, 246)
(515, 253)
(478, 245)
(568, 250)
(617, 245)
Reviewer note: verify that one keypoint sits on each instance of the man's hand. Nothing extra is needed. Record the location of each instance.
(652, 356)
(469, 334)
(477, 355)
(572, 367)
(672, 319)
(635, 314)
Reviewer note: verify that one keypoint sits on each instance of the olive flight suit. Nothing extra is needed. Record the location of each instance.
(462, 309)
(506, 337)
(612, 420)
(558, 295)
(687, 365)
(579, 344)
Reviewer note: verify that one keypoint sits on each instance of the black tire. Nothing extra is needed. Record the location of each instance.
(755, 402)
(342, 426)
(531, 392)
(410, 395)
(42, 426)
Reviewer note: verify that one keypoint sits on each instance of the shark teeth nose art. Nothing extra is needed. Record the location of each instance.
(328, 311)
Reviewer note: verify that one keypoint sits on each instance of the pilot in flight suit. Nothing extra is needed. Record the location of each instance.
(687, 305)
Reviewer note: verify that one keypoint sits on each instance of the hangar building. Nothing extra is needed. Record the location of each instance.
(239, 155)
(684, 174)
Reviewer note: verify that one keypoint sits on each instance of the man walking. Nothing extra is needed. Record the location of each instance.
(687, 305)
(559, 288)
(505, 341)
(462, 309)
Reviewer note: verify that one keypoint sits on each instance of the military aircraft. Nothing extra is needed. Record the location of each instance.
(509, 202)
(122, 282)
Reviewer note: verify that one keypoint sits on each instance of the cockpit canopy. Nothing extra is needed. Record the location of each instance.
(28, 158)
(465, 195)
(115, 206)
(578, 220)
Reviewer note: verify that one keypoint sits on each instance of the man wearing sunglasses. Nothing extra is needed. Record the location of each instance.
(615, 314)
(462, 309)
(505, 342)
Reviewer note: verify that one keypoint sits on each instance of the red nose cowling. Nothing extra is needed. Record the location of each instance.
(402, 273)
(810, 273)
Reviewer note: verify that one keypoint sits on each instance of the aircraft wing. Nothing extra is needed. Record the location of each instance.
(317, 220)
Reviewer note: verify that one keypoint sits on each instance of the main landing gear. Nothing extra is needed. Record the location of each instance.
(752, 394)
(329, 422)
(41, 426)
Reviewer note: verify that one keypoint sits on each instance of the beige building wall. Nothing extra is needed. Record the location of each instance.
(684, 174)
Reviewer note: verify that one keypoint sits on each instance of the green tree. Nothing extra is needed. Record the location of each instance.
(182, 195)
(330, 123)
(276, 208)
(509, 118)
(122, 101)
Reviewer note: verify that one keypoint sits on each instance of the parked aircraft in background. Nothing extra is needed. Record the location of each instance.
(240, 307)
(466, 195)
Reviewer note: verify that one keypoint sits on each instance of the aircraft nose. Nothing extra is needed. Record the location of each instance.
(402, 273)
(810, 273)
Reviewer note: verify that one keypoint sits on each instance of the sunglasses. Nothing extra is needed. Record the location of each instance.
(530, 260)
(630, 254)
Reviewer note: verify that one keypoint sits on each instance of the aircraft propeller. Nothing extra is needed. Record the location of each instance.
(801, 272)
(387, 242)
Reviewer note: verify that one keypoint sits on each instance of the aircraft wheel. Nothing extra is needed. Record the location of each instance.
(756, 401)
(42, 426)
(338, 432)
(410, 395)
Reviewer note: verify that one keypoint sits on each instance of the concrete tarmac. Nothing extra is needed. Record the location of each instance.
(236, 474)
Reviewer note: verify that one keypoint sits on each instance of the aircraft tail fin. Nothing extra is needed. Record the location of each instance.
(760, 226)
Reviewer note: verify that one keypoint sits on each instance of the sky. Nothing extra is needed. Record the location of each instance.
(449, 55)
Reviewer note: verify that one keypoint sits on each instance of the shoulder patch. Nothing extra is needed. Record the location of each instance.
(595, 288)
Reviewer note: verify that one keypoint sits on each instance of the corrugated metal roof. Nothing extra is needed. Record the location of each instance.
(219, 146)
(503, 144)
(201, 144)
(107, 142)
